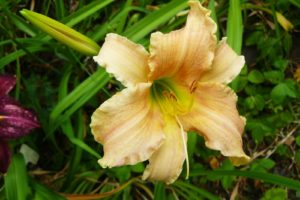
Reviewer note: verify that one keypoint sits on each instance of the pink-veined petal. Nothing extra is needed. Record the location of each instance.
(226, 65)
(129, 126)
(186, 53)
(5, 156)
(127, 61)
(15, 121)
(166, 163)
(215, 117)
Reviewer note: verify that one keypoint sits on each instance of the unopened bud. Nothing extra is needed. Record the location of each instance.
(62, 33)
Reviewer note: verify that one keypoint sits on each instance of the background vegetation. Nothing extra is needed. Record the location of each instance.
(64, 87)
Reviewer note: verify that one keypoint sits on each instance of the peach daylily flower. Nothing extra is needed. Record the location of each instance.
(177, 87)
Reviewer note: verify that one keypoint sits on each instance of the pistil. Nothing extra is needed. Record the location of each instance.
(183, 137)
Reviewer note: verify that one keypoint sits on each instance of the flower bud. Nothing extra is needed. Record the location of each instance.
(286, 24)
(62, 33)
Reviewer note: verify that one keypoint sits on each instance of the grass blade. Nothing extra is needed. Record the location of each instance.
(82, 93)
(16, 54)
(159, 191)
(295, 2)
(192, 189)
(16, 180)
(60, 9)
(70, 21)
(85, 12)
(153, 20)
(235, 26)
(44, 193)
(211, 7)
(267, 177)
(22, 25)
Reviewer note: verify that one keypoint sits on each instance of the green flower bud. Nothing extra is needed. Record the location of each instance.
(62, 33)
(284, 22)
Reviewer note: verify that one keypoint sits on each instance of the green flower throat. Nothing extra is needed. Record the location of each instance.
(172, 98)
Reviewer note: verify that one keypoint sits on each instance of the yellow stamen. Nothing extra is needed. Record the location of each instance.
(185, 148)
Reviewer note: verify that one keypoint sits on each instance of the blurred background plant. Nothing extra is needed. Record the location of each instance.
(64, 87)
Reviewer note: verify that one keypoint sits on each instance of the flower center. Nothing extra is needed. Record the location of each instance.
(172, 98)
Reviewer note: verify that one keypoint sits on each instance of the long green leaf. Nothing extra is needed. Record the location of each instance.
(16, 54)
(159, 191)
(104, 28)
(85, 12)
(267, 177)
(42, 192)
(67, 125)
(70, 21)
(16, 180)
(85, 147)
(82, 93)
(60, 9)
(295, 2)
(153, 20)
(235, 26)
(192, 189)
(22, 25)
(211, 7)
(188, 194)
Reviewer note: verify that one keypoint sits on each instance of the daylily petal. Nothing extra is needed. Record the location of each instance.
(15, 121)
(127, 61)
(215, 116)
(129, 126)
(7, 82)
(166, 163)
(226, 65)
(186, 53)
(5, 156)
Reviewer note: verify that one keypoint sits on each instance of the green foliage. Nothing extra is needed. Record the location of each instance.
(262, 165)
(235, 25)
(255, 76)
(44, 193)
(226, 181)
(16, 180)
(275, 194)
(267, 177)
(297, 156)
(284, 90)
(159, 191)
(298, 140)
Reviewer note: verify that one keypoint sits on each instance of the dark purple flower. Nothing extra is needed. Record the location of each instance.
(15, 121)
(5, 156)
